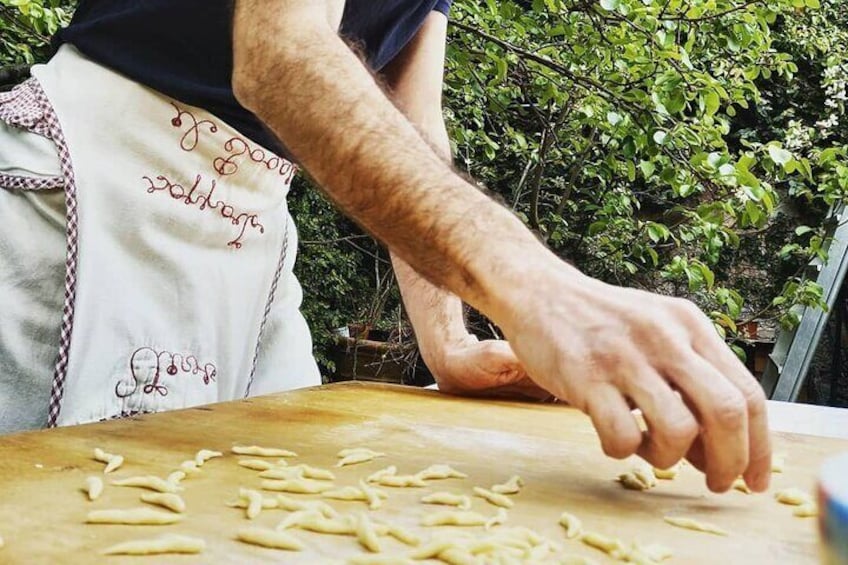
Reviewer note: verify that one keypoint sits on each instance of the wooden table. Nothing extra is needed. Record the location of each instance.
(554, 448)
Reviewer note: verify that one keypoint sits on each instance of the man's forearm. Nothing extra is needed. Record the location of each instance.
(369, 158)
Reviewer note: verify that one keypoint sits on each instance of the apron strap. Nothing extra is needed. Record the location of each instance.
(27, 107)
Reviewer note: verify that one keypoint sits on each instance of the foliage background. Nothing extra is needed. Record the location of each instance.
(691, 148)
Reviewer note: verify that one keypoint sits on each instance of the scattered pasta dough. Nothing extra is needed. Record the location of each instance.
(260, 464)
(269, 538)
(314, 521)
(493, 497)
(141, 516)
(205, 455)
(357, 455)
(778, 462)
(297, 486)
(440, 471)
(454, 518)
(611, 546)
(793, 497)
(499, 518)
(257, 451)
(190, 467)
(166, 500)
(316, 473)
(572, 524)
(176, 477)
(292, 505)
(641, 477)
(170, 543)
(113, 462)
(400, 481)
(351, 493)
(390, 470)
(690, 524)
(512, 486)
(366, 535)
(149, 482)
(807, 510)
(740, 485)
(255, 502)
(374, 497)
(400, 534)
(668, 474)
(461, 501)
(93, 487)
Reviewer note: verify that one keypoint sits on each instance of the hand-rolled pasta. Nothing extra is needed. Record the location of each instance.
(793, 496)
(255, 502)
(258, 451)
(439, 472)
(668, 474)
(282, 473)
(572, 524)
(313, 521)
(176, 477)
(205, 455)
(454, 518)
(402, 535)
(366, 535)
(290, 504)
(373, 497)
(740, 485)
(357, 455)
(640, 477)
(807, 510)
(493, 497)
(141, 516)
(270, 539)
(375, 476)
(499, 518)
(113, 462)
(149, 482)
(190, 467)
(463, 502)
(400, 481)
(260, 464)
(170, 543)
(512, 486)
(695, 525)
(93, 487)
(297, 486)
(611, 546)
(167, 500)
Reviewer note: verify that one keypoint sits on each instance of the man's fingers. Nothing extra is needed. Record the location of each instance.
(671, 426)
(612, 418)
(723, 414)
(758, 473)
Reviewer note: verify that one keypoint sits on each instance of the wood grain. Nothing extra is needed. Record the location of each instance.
(552, 447)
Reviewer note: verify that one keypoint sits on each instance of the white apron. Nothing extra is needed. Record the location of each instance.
(179, 288)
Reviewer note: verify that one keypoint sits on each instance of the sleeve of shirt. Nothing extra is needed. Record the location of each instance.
(443, 6)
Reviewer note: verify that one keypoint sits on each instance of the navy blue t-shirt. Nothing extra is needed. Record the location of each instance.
(183, 48)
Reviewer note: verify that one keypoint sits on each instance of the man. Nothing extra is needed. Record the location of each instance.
(158, 313)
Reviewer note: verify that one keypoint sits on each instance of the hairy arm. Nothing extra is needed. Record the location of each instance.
(598, 346)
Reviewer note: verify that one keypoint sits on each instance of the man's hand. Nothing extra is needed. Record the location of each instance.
(483, 368)
(604, 348)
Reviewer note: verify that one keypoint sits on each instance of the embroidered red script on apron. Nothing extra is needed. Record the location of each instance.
(179, 288)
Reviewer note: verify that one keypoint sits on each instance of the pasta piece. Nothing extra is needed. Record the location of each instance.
(499, 518)
(176, 477)
(454, 518)
(356, 456)
(458, 556)
(142, 516)
(461, 501)
(93, 487)
(400, 481)
(167, 500)
(778, 462)
(611, 546)
(257, 451)
(258, 464)
(267, 503)
(572, 524)
(403, 535)
(292, 505)
(149, 482)
(441, 471)
(282, 473)
(113, 462)
(270, 539)
(295, 518)
(190, 467)
(372, 495)
(668, 474)
(390, 470)
(366, 535)
(254, 500)
(346, 493)
(297, 486)
(313, 521)
(205, 455)
(540, 553)
(807, 510)
(793, 497)
(512, 486)
(317, 473)
(740, 485)
(170, 543)
(493, 497)
(433, 549)
(690, 524)
(640, 477)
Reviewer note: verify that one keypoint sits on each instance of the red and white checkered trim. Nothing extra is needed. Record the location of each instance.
(27, 107)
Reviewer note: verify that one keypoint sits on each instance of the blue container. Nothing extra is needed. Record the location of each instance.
(833, 510)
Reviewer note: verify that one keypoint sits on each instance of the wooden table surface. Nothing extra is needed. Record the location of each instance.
(552, 447)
